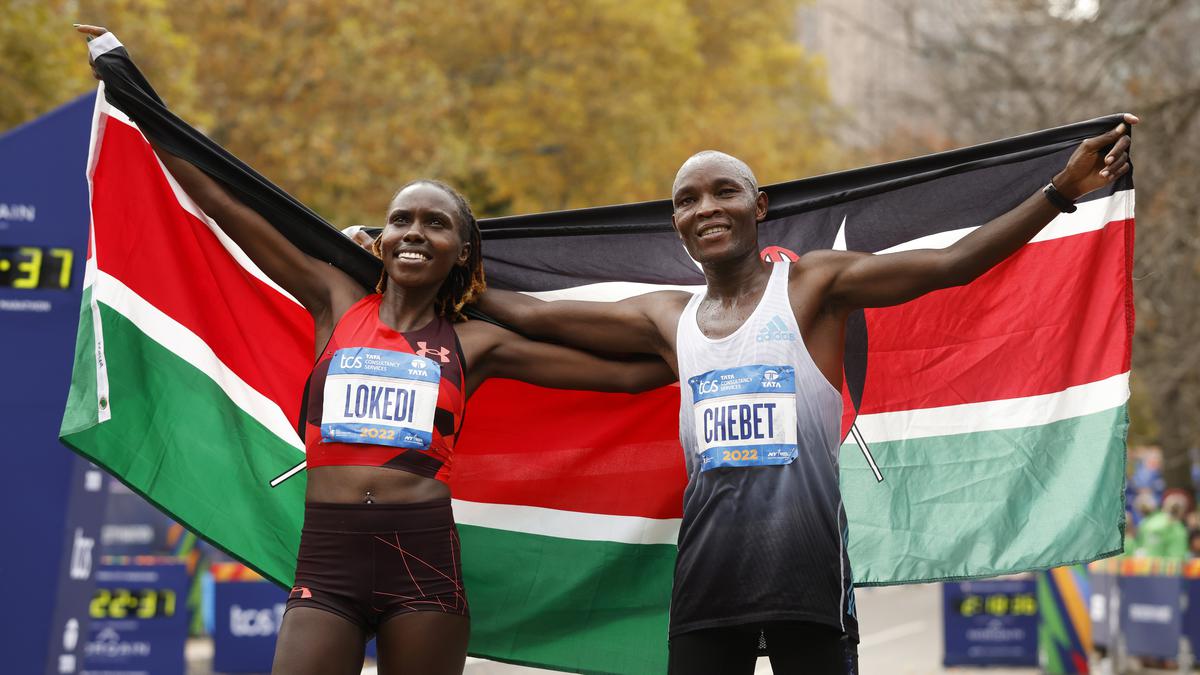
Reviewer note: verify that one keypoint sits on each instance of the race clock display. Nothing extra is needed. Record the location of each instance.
(36, 267)
(129, 603)
(998, 604)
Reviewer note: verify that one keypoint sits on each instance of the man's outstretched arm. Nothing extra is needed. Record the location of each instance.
(865, 280)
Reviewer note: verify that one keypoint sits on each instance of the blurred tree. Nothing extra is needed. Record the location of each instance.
(999, 67)
(42, 62)
(526, 105)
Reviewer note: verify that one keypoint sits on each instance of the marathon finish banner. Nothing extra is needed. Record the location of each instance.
(984, 425)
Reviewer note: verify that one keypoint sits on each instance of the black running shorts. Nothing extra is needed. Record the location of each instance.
(370, 562)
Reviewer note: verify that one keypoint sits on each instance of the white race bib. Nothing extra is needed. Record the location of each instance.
(380, 397)
(745, 416)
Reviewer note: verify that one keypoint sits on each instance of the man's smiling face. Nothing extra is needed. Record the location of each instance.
(717, 208)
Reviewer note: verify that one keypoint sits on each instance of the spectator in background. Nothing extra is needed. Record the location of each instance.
(1194, 544)
(1144, 480)
(1194, 454)
(1162, 534)
(1144, 504)
(1147, 472)
(1192, 520)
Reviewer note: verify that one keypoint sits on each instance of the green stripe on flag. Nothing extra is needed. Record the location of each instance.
(585, 606)
(176, 438)
(1049, 492)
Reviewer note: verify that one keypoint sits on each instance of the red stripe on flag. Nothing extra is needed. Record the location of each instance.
(615, 454)
(1037, 323)
(262, 336)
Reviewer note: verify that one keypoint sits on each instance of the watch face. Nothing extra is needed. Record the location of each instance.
(30, 267)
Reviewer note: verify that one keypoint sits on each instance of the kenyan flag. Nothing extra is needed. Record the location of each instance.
(985, 424)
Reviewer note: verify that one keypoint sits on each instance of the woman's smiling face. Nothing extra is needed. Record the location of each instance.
(422, 240)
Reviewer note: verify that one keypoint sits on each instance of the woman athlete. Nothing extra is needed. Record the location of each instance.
(394, 368)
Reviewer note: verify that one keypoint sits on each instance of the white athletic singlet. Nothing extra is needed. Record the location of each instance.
(763, 536)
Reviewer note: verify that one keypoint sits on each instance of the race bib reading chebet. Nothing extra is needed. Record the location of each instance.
(380, 397)
(745, 416)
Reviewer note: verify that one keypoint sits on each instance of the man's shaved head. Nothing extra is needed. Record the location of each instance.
(738, 166)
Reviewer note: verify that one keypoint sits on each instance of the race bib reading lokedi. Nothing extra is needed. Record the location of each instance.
(380, 397)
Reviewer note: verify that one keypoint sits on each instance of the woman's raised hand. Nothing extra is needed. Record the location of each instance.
(91, 32)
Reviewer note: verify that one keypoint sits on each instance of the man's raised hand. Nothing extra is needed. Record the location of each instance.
(1097, 161)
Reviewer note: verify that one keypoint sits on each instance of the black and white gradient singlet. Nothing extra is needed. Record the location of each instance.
(763, 536)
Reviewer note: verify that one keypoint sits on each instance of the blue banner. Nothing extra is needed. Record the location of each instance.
(247, 617)
(50, 522)
(990, 623)
(1100, 602)
(1191, 615)
(85, 512)
(132, 526)
(139, 619)
(1151, 616)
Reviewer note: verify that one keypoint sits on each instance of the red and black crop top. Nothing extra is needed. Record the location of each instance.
(378, 397)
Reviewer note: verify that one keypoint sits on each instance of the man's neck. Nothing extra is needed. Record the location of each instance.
(731, 280)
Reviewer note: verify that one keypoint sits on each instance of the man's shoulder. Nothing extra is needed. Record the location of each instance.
(817, 266)
(664, 301)
(821, 257)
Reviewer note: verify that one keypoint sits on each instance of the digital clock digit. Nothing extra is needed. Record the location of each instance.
(124, 603)
(998, 604)
(29, 267)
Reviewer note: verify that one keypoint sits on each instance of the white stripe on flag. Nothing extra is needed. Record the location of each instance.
(1089, 217)
(609, 291)
(567, 524)
(1012, 413)
(177, 338)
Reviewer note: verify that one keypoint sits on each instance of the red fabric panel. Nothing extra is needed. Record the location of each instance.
(262, 336)
(594, 452)
(1037, 323)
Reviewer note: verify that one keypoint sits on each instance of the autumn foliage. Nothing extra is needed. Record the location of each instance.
(525, 105)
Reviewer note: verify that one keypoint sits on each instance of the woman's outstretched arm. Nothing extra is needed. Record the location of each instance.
(318, 286)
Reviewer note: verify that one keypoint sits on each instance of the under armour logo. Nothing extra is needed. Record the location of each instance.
(442, 353)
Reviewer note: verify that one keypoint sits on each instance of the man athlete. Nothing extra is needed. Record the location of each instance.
(762, 545)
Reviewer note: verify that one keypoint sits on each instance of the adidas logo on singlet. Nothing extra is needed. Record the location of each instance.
(776, 330)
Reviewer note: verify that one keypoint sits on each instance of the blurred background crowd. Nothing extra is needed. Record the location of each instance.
(1160, 522)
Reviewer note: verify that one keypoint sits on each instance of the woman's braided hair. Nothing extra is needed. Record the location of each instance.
(465, 282)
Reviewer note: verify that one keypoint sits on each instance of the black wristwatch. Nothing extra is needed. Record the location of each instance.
(1057, 199)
